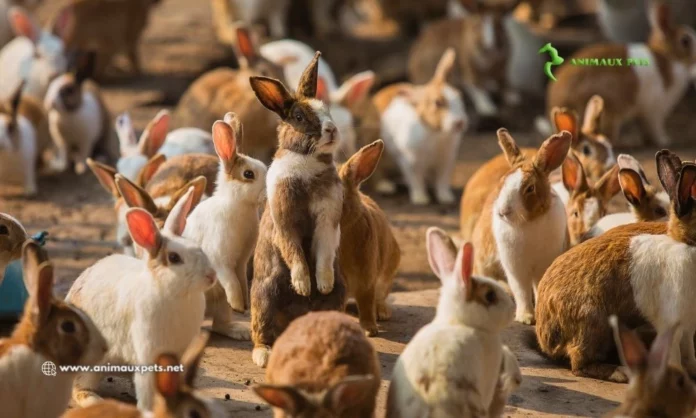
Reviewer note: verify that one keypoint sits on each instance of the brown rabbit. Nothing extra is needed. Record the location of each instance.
(655, 387)
(592, 149)
(369, 253)
(178, 171)
(649, 92)
(296, 267)
(175, 392)
(322, 366)
(12, 236)
(223, 90)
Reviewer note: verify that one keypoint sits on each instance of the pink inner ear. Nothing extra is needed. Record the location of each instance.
(467, 261)
(322, 90)
(22, 25)
(158, 134)
(224, 140)
(359, 90)
(143, 229)
(63, 25)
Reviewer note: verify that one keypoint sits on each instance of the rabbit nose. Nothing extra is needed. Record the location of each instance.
(330, 128)
(211, 278)
(459, 125)
(504, 213)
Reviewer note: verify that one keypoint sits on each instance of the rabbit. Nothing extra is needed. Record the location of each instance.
(175, 397)
(155, 139)
(12, 236)
(471, 313)
(422, 127)
(19, 145)
(223, 89)
(639, 272)
(523, 211)
(322, 366)
(588, 202)
(50, 331)
(79, 121)
(509, 380)
(34, 55)
(178, 171)
(147, 297)
(369, 254)
(227, 12)
(481, 43)
(226, 227)
(645, 202)
(109, 27)
(592, 148)
(649, 92)
(6, 33)
(296, 267)
(656, 388)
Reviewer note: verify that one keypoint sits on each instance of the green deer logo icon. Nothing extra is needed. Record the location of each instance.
(555, 59)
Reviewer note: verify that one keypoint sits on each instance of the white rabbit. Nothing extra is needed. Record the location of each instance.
(6, 32)
(226, 225)
(35, 55)
(155, 139)
(18, 144)
(430, 377)
(422, 127)
(145, 307)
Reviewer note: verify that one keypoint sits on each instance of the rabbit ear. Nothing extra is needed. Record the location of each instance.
(23, 24)
(286, 398)
(658, 359)
(509, 147)
(225, 144)
(363, 163)
(687, 178)
(590, 124)
(38, 277)
(322, 90)
(135, 196)
(307, 87)
(631, 349)
(125, 132)
(85, 65)
(444, 66)
(661, 17)
(608, 185)
(464, 265)
(199, 184)
(168, 382)
(354, 90)
(574, 178)
(106, 176)
(628, 161)
(193, 355)
(245, 45)
(632, 186)
(143, 230)
(553, 152)
(64, 23)
(349, 392)
(668, 167)
(176, 221)
(149, 169)
(442, 253)
(155, 134)
(272, 94)
(566, 120)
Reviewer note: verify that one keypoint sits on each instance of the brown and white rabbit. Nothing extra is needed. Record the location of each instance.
(638, 272)
(646, 202)
(12, 237)
(587, 202)
(592, 148)
(50, 331)
(147, 296)
(369, 254)
(649, 92)
(176, 395)
(79, 122)
(656, 388)
(224, 89)
(481, 43)
(296, 267)
(226, 14)
(179, 171)
(523, 211)
(322, 366)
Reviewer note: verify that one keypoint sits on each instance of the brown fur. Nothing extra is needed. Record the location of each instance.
(178, 171)
(316, 352)
(370, 255)
(639, 193)
(12, 237)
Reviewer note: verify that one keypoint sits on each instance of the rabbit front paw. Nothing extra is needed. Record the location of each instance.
(238, 331)
(420, 197)
(384, 311)
(444, 195)
(260, 355)
(526, 318)
(299, 277)
(620, 375)
(325, 280)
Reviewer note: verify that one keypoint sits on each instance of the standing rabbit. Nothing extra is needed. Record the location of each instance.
(19, 145)
(638, 272)
(296, 267)
(12, 236)
(145, 307)
(422, 127)
(369, 254)
(649, 92)
(50, 331)
(429, 377)
(322, 366)
(226, 227)
(655, 387)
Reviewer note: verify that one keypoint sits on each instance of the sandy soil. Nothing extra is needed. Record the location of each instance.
(178, 46)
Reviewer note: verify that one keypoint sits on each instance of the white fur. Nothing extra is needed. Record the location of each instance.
(420, 152)
(19, 163)
(591, 213)
(5, 256)
(253, 11)
(661, 272)
(522, 258)
(144, 308)
(303, 167)
(611, 221)
(488, 32)
(561, 191)
(301, 55)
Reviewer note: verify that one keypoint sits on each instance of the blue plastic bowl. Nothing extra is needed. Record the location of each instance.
(13, 293)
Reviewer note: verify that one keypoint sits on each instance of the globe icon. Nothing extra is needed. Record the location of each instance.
(48, 368)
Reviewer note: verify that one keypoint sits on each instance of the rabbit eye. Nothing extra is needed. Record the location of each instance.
(491, 297)
(530, 189)
(575, 213)
(685, 41)
(440, 103)
(68, 327)
(248, 174)
(174, 258)
(680, 382)
(586, 150)
(4, 230)
(299, 117)
(194, 414)
(661, 212)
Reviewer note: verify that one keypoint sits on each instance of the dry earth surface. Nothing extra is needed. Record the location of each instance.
(178, 46)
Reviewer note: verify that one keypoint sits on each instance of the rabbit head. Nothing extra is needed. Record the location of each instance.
(53, 328)
(673, 40)
(486, 31)
(65, 92)
(679, 179)
(655, 388)
(645, 201)
(12, 236)
(329, 403)
(135, 154)
(10, 129)
(478, 302)
(588, 202)
(177, 263)
(250, 58)
(525, 191)
(306, 125)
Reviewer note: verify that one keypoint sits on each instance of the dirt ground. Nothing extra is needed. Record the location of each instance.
(178, 46)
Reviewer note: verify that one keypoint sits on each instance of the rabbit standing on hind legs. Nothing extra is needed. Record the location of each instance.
(296, 266)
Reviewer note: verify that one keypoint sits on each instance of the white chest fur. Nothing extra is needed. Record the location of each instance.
(291, 165)
(83, 126)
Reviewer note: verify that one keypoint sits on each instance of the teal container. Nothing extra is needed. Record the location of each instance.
(13, 292)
